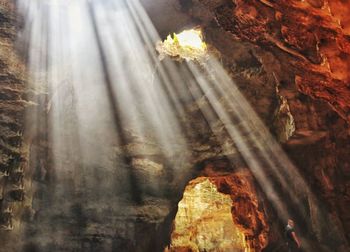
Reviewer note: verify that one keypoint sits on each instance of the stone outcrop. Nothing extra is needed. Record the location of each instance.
(219, 204)
(204, 221)
(246, 206)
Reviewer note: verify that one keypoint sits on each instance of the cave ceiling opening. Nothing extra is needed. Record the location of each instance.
(187, 44)
(140, 119)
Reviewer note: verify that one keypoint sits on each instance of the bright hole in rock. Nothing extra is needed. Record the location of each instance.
(191, 38)
(188, 45)
(204, 221)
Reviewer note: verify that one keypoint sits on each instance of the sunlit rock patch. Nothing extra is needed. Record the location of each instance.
(187, 45)
(204, 221)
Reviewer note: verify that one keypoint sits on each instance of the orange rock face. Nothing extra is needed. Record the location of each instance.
(311, 38)
(220, 209)
(238, 190)
(204, 221)
(245, 207)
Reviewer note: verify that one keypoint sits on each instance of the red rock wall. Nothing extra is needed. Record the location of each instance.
(309, 38)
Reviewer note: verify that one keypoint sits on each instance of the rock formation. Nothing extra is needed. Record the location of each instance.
(299, 47)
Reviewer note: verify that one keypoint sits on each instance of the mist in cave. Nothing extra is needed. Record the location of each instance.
(114, 144)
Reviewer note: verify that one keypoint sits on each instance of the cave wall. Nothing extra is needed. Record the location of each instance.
(299, 47)
(14, 176)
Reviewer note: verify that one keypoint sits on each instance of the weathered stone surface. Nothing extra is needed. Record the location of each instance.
(310, 38)
(14, 176)
(204, 220)
(201, 202)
